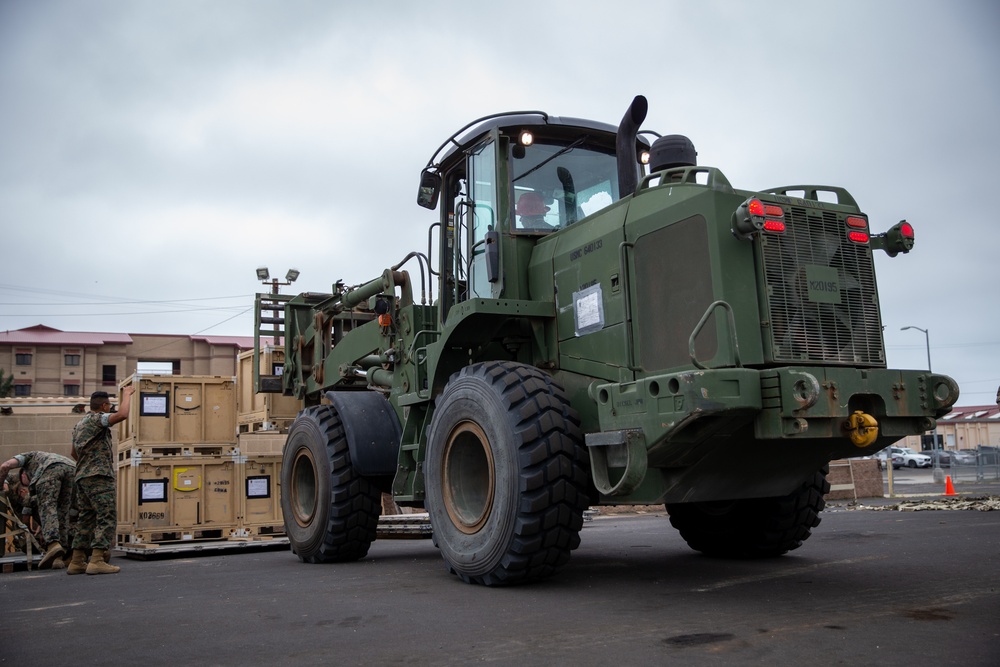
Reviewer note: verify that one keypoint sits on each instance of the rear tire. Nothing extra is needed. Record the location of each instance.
(752, 528)
(505, 472)
(330, 512)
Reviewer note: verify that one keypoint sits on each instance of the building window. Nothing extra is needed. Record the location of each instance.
(71, 359)
(22, 390)
(71, 390)
(109, 374)
(158, 367)
(23, 359)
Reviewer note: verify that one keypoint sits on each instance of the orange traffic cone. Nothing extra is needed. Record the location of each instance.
(949, 488)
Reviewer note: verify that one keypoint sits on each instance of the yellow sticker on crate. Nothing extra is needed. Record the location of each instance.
(186, 479)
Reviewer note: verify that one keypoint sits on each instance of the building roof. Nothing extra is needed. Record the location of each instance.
(43, 335)
(972, 413)
(242, 342)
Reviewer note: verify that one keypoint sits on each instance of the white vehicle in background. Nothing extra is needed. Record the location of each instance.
(909, 458)
(902, 456)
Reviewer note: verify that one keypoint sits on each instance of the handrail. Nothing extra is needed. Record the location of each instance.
(701, 324)
(626, 297)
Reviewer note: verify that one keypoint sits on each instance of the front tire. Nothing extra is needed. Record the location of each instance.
(752, 528)
(330, 511)
(505, 472)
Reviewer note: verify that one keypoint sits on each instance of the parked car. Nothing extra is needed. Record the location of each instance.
(942, 457)
(988, 455)
(909, 458)
(887, 454)
(963, 457)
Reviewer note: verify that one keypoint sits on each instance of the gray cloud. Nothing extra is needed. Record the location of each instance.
(161, 151)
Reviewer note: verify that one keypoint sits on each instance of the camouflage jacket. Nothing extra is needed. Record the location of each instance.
(95, 452)
(35, 463)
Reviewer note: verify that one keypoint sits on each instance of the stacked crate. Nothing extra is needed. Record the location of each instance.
(181, 474)
(268, 412)
(263, 421)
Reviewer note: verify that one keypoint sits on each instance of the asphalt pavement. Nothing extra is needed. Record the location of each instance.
(870, 587)
(914, 483)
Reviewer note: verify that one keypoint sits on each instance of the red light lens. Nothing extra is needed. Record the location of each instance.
(858, 237)
(773, 211)
(774, 226)
(859, 223)
(906, 229)
(755, 207)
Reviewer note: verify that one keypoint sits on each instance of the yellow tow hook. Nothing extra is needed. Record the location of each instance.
(862, 429)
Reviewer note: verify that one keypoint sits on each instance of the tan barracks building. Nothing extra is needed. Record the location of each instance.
(47, 362)
(55, 372)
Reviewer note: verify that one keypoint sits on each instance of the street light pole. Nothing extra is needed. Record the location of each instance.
(264, 276)
(938, 473)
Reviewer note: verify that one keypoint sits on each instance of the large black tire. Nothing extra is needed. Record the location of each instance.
(330, 512)
(752, 528)
(506, 476)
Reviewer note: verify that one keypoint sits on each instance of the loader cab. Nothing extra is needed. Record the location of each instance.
(502, 186)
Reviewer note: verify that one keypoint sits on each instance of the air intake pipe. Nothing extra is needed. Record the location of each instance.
(628, 160)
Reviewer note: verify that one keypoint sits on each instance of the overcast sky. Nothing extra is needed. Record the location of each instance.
(153, 154)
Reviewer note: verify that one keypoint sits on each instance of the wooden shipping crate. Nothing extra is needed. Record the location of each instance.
(175, 409)
(266, 411)
(261, 443)
(175, 498)
(259, 496)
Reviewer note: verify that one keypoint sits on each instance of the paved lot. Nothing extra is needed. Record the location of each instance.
(870, 587)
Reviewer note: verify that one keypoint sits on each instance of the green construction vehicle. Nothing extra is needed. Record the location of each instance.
(601, 321)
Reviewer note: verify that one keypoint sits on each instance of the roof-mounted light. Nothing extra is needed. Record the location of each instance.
(526, 138)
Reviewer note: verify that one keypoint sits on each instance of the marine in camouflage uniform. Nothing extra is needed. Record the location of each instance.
(95, 484)
(50, 484)
(22, 507)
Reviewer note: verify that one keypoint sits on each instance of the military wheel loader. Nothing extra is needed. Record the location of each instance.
(598, 319)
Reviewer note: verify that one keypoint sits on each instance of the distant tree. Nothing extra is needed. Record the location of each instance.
(6, 384)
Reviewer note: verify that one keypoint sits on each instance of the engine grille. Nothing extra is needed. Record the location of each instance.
(839, 326)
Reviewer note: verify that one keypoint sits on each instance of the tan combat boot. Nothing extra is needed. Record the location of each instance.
(54, 551)
(58, 564)
(98, 565)
(78, 562)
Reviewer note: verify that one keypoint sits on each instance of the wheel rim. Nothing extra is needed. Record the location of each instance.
(468, 477)
(303, 492)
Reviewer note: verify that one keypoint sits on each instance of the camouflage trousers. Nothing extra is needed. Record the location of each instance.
(53, 491)
(98, 519)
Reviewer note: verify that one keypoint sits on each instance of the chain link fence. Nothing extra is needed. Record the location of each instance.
(971, 465)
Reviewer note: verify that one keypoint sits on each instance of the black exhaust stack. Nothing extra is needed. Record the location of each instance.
(628, 160)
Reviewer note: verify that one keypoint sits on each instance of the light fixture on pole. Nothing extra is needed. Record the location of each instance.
(264, 276)
(938, 473)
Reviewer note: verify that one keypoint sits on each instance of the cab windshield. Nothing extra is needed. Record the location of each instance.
(556, 184)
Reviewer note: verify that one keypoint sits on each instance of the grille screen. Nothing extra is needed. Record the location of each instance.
(673, 287)
(821, 300)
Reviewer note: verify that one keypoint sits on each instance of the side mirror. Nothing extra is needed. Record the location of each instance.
(430, 188)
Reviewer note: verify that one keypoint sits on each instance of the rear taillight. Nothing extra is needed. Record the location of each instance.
(773, 219)
(857, 229)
